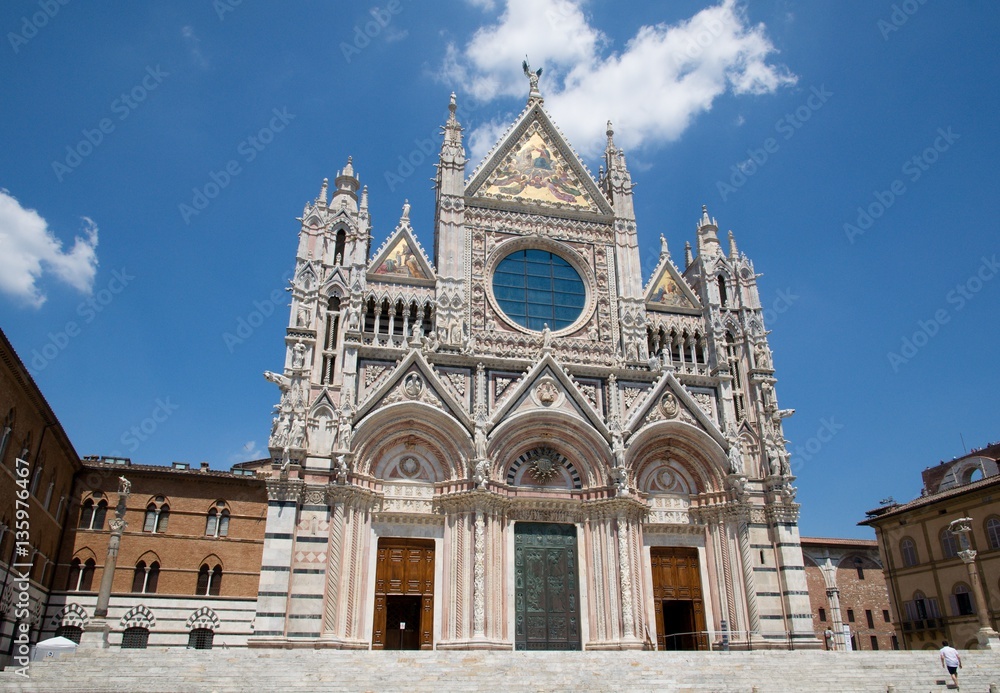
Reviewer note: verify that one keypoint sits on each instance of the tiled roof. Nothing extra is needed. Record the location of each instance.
(892, 510)
(839, 542)
(163, 469)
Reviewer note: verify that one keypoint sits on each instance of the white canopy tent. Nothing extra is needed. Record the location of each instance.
(52, 648)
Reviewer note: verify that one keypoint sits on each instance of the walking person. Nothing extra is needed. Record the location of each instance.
(951, 661)
(828, 636)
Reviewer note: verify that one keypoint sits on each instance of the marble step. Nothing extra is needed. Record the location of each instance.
(173, 669)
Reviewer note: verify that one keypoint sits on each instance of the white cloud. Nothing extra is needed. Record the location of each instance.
(664, 77)
(28, 249)
(194, 46)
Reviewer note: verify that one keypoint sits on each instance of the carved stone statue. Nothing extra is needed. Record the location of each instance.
(124, 486)
(481, 475)
(342, 470)
(298, 355)
(532, 76)
(297, 438)
(773, 463)
(546, 336)
(761, 356)
(735, 458)
(352, 319)
(480, 441)
(344, 431)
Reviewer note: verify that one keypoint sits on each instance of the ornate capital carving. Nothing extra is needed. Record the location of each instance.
(285, 489)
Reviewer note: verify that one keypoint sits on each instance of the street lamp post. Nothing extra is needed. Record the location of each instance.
(989, 639)
(96, 634)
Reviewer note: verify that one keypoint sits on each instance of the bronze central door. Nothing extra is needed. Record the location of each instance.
(546, 591)
(404, 595)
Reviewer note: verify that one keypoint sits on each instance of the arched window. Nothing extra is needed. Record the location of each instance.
(157, 514)
(5, 433)
(201, 639)
(732, 352)
(209, 581)
(723, 298)
(217, 524)
(92, 515)
(961, 601)
(338, 247)
(36, 476)
(81, 575)
(949, 543)
(909, 552)
(993, 532)
(74, 633)
(135, 638)
(139, 577)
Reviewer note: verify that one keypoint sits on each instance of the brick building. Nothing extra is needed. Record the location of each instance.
(848, 593)
(946, 585)
(189, 561)
(37, 466)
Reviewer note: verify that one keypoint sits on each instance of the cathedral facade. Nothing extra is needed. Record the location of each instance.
(515, 442)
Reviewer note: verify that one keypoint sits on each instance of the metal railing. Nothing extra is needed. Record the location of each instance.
(730, 641)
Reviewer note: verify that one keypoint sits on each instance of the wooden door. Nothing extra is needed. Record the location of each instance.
(405, 567)
(677, 597)
(546, 592)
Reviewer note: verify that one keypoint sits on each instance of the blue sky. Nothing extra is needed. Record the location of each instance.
(786, 120)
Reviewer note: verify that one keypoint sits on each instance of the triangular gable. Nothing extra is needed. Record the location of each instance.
(401, 259)
(565, 395)
(657, 406)
(338, 277)
(533, 164)
(429, 388)
(668, 291)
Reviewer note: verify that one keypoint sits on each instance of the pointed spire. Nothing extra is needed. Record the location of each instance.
(610, 132)
(707, 232)
(688, 257)
(364, 198)
(664, 250)
(321, 199)
(733, 254)
(345, 187)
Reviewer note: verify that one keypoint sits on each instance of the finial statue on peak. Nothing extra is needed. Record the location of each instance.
(532, 78)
